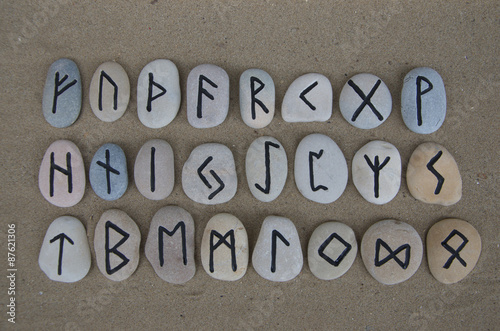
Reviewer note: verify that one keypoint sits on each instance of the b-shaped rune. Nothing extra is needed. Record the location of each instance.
(454, 252)
(109, 225)
(267, 188)
(376, 167)
(214, 174)
(440, 178)
(392, 254)
(313, 155)
(341, 256)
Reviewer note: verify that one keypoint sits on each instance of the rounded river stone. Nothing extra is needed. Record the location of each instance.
(108, 172)
(257, 98)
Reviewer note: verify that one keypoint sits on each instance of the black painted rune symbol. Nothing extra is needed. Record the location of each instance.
(366, 100)
(454, 252)
(342, 255)
(392, 254)
(440, 178)
(214, 174)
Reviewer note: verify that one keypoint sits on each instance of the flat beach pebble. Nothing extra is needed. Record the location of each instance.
(308, 99)
(209, 174)
(108, 172)
(376, 171)
(332, 250)
(432, 175)
(170, 245)
(365, 101)
(257, 98)
(277, 255)
(423, 100)
(109, 92)
(391, 251)
(61, 178)
(453, 249)
(116, 242)
(207, 96)
(320, 169)
(154, 174)
(65, 253)
(224, 248)
(62, 94)
(266, 168)
(158, 93)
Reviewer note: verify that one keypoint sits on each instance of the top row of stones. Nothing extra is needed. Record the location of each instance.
(365, 101)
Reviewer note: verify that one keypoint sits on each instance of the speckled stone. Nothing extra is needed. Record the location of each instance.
(207, 96)
(453, 249)
(390, 237)
(62, 95)
(111, 108)
(288, 259)
(209, 174)
(320, 156)
(61, 178)
(65, 253)
(116, 243)
(108, 172)
(266, 168)
(170, 245)
(158, 93)
(154, 169)
(376, 171)
(308, 99)
(224, 248)
(257, 98)
(423, 88)
(332, 250)
(365, 101)
(426, 186)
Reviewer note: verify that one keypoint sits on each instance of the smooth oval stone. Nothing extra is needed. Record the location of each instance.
(116, 243)
(207, 96)
(209, 174)
(61, 178)
(423, 100)
(266, 168)
(109, 92)
(391, 251)
(453, 249)
(154, 169)
(65, 253)
(62, 94)
(170, 245)
(108, 172)
(257, 98)
(308, 99)
(376, 171)
(158, 93)
(332, 250)
(277, 255)
(365, 101)
(320, 169)
(432, 175)
(224, 248)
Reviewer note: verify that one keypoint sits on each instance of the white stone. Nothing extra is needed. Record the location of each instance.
(257, 98)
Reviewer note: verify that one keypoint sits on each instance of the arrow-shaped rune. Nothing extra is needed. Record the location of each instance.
(440, 178)
(303, 95)
(214, 174)
(61, 237)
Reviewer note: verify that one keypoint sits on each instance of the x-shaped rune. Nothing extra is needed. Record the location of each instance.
(366, 100)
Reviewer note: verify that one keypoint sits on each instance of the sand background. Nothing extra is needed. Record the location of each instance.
(335, 38)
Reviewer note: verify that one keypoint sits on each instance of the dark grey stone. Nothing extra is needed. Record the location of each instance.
(109, 162)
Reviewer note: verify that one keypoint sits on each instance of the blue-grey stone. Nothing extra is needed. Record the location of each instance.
(423, 100)
(108, 172)
(62, 95)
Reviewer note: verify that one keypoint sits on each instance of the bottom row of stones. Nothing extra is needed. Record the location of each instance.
(391, 250)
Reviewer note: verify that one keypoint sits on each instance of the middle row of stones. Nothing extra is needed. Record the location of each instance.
(209, 175)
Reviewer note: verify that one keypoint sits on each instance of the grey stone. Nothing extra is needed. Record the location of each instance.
(170, 245)
(154, 169)
(257, 98)
(320, 169)
(158, 93)
(332, 250)
(116, 242)
(423, 100)
(266, 168)
(361, 111)
(207, 96)
(308, 99)
(114, 92)
(62, 95)
(209, 174)
(65, 253)
(285, 261)
(376, 171)
(108, 172)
